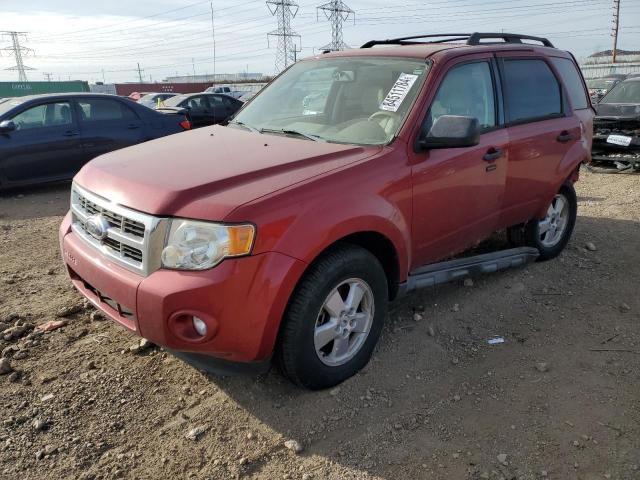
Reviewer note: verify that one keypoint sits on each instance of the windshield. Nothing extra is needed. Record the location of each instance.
(358, 100)
(624, 92)
(10, 104)
(600, 83)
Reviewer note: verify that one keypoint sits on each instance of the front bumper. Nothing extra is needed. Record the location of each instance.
(242, 300)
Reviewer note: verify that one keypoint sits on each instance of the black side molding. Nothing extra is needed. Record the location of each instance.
(443, 272)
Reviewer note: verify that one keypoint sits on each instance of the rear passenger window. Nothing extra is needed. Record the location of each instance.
(466, 90)
(572, 81)
(103, 109)
(531, 90)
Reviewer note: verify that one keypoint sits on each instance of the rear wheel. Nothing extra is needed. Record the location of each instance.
(552, 233)
(334, 318)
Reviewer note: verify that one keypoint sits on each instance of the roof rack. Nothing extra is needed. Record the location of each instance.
(471, 39)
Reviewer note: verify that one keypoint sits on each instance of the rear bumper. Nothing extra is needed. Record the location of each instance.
(241, 300)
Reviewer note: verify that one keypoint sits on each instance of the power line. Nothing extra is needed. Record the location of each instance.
(17, 51)
(337, 12)
(284, 11)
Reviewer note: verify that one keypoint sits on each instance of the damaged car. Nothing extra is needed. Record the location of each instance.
(616, 139)
(598, 87)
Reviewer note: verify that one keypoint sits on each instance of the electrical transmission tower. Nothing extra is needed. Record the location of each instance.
(614, 30)
(337, 12)
(17, 51)
(284, 11)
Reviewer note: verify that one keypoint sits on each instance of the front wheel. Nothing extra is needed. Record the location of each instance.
(552, 233)
(334, 318)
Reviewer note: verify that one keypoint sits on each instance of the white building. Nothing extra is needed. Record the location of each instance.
(600, 64)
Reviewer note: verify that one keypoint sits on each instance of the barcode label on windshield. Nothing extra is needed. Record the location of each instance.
(398, 92)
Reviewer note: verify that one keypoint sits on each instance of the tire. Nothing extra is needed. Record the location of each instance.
(308, 323)
(549, 245)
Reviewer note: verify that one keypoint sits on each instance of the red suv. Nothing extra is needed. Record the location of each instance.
(335, 190)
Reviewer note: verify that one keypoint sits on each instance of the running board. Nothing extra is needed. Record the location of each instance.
(443, 272)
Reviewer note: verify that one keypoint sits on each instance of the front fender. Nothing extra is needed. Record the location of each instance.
(324, 223)
(303, 229)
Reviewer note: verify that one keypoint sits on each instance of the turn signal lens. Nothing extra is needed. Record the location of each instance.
(240, 239)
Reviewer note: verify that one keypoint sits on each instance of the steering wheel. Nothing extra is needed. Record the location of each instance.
(385, 114)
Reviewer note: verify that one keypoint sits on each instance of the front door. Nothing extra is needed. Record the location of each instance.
(44, 146)
(200, 113)
(457, 192)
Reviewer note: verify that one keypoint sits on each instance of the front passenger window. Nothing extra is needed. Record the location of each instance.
(466, 90)
(47, 115)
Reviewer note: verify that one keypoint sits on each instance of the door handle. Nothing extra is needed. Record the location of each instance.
(492, 154)
(133, 126)
(70, 133)
(564, 137)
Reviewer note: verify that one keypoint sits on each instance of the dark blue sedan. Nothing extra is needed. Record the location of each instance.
(45, 138)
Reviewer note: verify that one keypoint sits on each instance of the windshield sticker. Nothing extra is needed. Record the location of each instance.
(398, 92)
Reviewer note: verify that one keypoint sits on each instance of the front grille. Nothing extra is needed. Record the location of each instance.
(131, 238)
(126, 225)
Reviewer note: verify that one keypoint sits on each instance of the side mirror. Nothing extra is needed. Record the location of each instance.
(450, 131)
(7, 126)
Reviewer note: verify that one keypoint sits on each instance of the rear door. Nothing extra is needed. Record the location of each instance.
(542, 130)
(45, 145)
(223, 107)
(107, 124)
(200, 113)
(457, 192)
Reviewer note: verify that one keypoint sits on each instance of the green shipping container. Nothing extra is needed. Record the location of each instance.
(20, 89)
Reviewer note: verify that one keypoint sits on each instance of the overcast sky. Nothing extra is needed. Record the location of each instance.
(79, 39)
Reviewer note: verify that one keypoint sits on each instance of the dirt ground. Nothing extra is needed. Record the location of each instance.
(560, 399)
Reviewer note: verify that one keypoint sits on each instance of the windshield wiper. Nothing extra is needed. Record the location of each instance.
(308, 136)
(244, 125)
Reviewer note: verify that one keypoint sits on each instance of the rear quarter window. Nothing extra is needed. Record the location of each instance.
(572, 82)
(532, 91)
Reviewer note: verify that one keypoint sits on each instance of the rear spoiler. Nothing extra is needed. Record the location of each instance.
(173, 110)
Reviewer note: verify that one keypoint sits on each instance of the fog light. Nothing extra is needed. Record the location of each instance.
(200, 326)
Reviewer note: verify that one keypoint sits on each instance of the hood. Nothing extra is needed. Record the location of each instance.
(621, 110)
(207, 173)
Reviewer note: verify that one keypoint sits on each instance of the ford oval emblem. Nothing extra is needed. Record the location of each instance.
(97, 226)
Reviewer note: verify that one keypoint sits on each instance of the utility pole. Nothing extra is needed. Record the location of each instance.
(337, 12)
(213, 36)
(48, 75)
(17, 51)
(284, 11)
(140, 73)
(616, 25)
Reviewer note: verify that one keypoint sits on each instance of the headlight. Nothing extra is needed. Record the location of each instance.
(194, 245)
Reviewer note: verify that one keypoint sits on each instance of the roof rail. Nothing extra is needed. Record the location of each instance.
(475, 38)
(471, 39)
